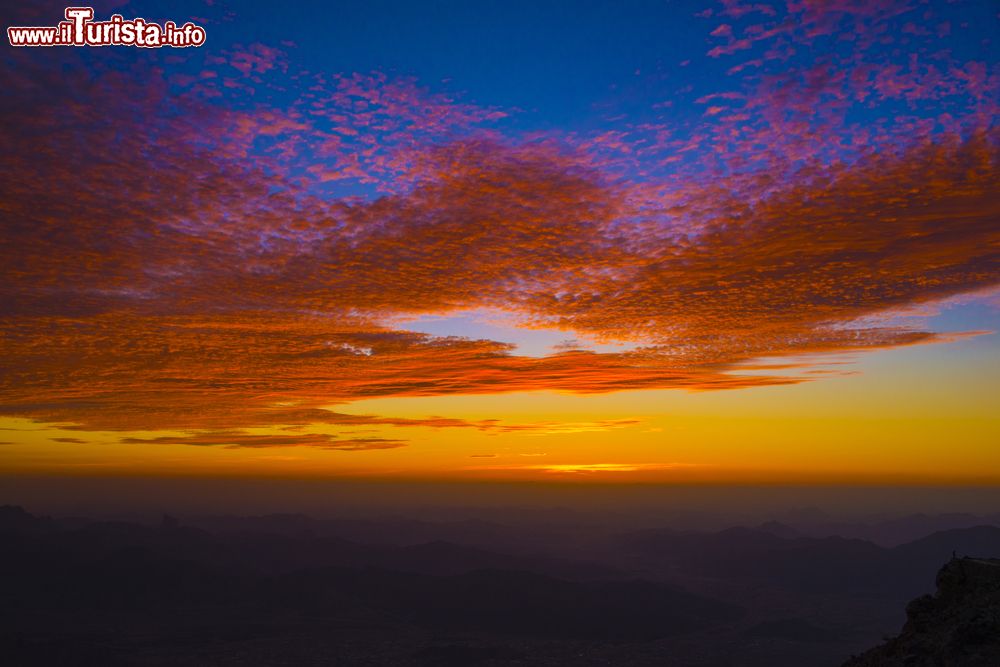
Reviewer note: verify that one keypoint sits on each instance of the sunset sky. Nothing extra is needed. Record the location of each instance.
(677, 242)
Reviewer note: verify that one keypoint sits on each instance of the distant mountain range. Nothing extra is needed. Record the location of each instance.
(234, 590)
(830, 564)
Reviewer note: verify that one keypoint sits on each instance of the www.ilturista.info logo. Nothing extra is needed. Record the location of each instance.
(79, 29)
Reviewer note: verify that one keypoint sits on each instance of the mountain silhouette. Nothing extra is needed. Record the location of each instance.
(288, 589)
(958, 626)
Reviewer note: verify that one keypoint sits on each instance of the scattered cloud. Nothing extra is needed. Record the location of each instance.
(208, 276)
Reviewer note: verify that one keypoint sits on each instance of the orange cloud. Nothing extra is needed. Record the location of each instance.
(589, 468)
(193, 280)
(239, 440)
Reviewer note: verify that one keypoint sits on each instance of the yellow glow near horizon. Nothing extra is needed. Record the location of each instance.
(880, 425)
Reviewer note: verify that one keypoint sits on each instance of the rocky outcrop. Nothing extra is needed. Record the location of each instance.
(959, 626)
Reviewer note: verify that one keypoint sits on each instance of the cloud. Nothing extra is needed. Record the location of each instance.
(256, 331)
(791, 272)
(201, 278)
(240, 440)
(591, 468)
(552, 428)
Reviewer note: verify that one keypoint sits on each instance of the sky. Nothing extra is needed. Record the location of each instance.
(632, 242)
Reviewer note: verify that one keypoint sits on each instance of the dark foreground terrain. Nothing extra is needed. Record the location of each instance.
(289, 590)
(958, 625)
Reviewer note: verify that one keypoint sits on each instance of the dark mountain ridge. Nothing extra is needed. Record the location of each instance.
(958, 626)
(808, 564)
(181, 594)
